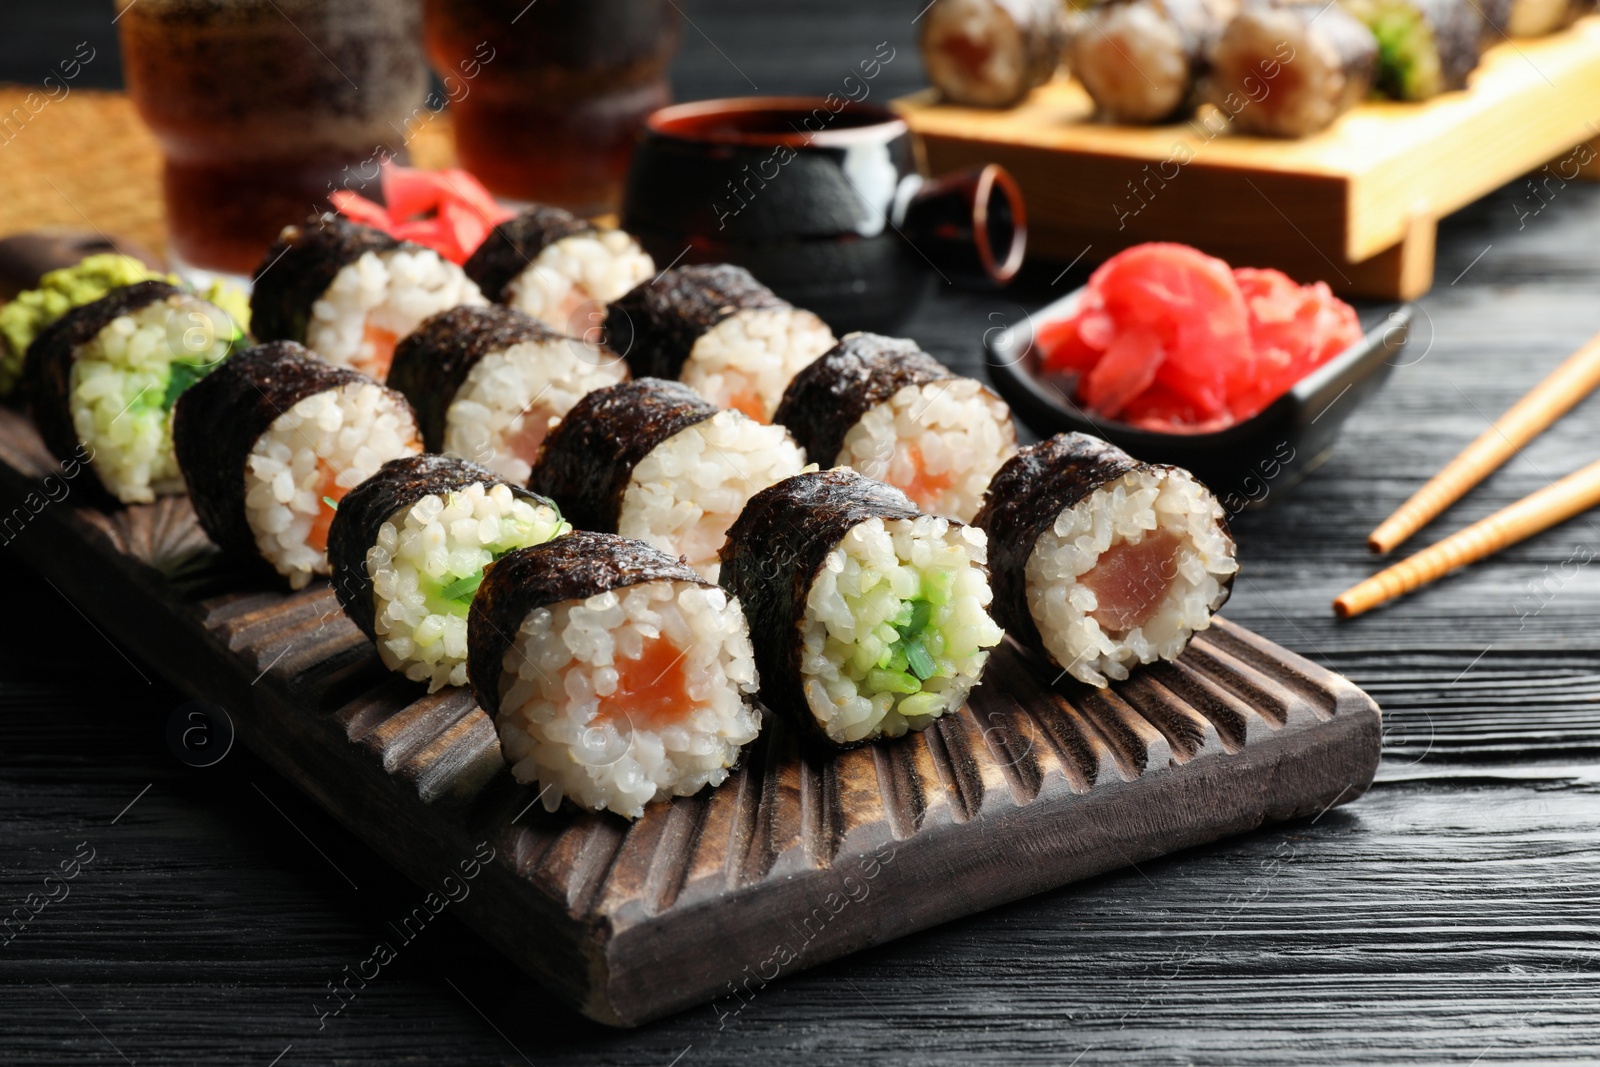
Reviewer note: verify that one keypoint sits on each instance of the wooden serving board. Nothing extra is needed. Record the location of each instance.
(798, 858)
(1356, 205)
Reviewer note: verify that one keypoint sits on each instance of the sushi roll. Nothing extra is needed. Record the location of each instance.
(891, 411)
(558, 268)
(616, 676)
(1141, 60)
(991, 53)
(655, 461)
(719, 331)
(350, 292)
(409, 546)
(1100, 562)
(105, 376)
(1333, 57)
(272, 440)
(869, 618)
(1425, 47)
(488, 382)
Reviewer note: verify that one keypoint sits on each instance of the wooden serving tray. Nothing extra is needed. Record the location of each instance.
(797, 859)
(1356, 205)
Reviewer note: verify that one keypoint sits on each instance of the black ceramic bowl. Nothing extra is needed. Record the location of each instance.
(1245, 464)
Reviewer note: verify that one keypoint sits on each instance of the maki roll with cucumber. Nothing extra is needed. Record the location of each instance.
(1142, 60)
(104, 379)
(1425, 47)
(616, 675)
(1291, 69)
(869, 618)
(1100, 562)
(891, 411)
(273, 439)
(719, 331)
(991, 53)
(488, 382)
(350, 292)
(558, 268)
(654, 460)
(409, 547)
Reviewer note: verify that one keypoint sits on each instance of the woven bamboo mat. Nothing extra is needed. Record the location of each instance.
(87, 162)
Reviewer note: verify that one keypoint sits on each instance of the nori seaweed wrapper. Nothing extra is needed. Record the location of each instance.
(517, 242)
(655, 325)
(1022, 502)
(432, 363)
(585, 463)
(773, 553)
(575, 567)
(300, 266)
(828, 397)
(397, 485)
(218, 420)
(48, 365)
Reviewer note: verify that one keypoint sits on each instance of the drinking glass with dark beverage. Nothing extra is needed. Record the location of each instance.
(562, 90)
(264, 107)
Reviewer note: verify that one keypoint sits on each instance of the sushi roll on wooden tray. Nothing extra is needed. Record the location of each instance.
(891, 411)
(1425, 47)
(104, 378)
(409, 547)
(350, 292)
(654, 460)
(273, 439)
(1100, 562)
(869, 618)
(1142, 60)
(719, 331)
(558, 268)
(488, 382)
(1289, 70)
(991, 53)
(616, 676)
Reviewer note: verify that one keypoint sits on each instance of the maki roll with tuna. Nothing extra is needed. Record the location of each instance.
(1141, 60)
(616, 676)
(273, 439)
(409, 547)
(1289, 70)
(1425, 47)
(350, 292)
(488, 382)
(654, 460)
(558, 268)
(1100, 562)
(891, 411)
(991, 53)
(719, 331)
(105, 376)
(869, 618)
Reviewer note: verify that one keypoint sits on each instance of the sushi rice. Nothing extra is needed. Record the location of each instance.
(896, 629)
(378, 299)
(570, 281)
(582, 712)
(747, 360)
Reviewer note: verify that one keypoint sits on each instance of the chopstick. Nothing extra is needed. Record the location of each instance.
(1548, 401)
(1553, 504)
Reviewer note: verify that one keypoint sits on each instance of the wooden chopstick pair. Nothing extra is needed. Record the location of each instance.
(1548, 401)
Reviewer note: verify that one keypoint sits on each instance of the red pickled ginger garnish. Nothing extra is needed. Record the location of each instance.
(448, 210)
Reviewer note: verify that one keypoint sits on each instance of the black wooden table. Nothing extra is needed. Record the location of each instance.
(1449, 916)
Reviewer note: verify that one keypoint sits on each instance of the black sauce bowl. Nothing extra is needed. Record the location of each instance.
(1244, 464)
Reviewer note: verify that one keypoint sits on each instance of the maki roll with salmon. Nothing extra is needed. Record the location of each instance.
(409, 547)
(558, 268)
(1142, 60)
(105, 376)
(656, 461)
(1289, 70)
(991, 53)
(891, 411)
(869, 618)
(1425, 47)
(1100, 562)
(350, 292)
(273, 439)
(616, 675)
(488, 382)
(719, 331)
